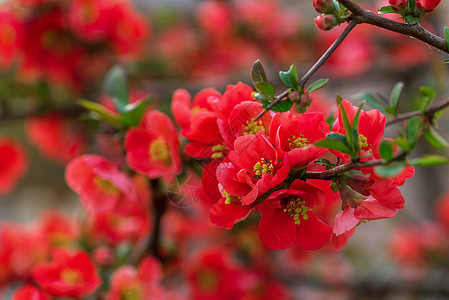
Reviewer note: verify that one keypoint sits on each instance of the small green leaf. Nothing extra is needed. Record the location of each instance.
(446, 61)
(390, 110)
(355, 122)
(290, 78)
(266, 89)
(258, 72)
(335, 141)
(386, 150)
(134, 112)
(395, 94)
(430, 160)
(317, 85)
(427, 95)
(386, 10)
(116, 87)
(414, 126)
(354, 142)
(390, 170)
(282, 106)
(347, 125)
(410, 19)
(103, 113)
(446, 36)
(330, 120)
(371, 100)
(435, 139)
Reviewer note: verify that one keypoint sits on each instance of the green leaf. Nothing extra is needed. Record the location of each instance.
(335, 141)
(446, 61)
(347, 125)
(266, 89)
(258, 73)
(446, 36)
(386, 150)
(435, 139)
(355, 122)
(104, 114)
(386, 10)
(134, 112)
(290, 78)
(430, 160)
(317, 85)
(371, 100)
(116, 87)
(427, 95)
(354, 142)
(414, 126)
(282, 106)
(390, 110)
(390, 170)
(395, 94)
(410, 19)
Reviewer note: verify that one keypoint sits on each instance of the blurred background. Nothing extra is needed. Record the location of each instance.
(53, 53)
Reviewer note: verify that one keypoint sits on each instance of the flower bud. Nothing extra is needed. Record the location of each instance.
(399, 6)
(325, 6)
(426, 6)
(326, 22)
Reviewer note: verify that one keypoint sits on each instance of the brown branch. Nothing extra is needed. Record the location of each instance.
(318, 64)
(428, 113)
(334, 172)
(365, 16)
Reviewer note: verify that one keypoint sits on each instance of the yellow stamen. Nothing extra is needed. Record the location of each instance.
(294, 142)
(296, 208)
(132, 292)
(253, 128)
(159, 150)
(71, 276)
(263, 166)
(218, 151)
(106, 186)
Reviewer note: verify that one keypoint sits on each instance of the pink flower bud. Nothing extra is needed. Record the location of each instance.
(399, 6)
(326, 22)
(426, 6)
(324, 6)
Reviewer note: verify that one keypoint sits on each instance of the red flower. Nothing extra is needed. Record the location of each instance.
(13, 164)
(10, 30)
(295, 134)
(153, 147)
(287, 218)
(55, 137)
(255, 167)
(427, 5)
(67, 275)
(29, 292)
(99, 182)
(143, 283)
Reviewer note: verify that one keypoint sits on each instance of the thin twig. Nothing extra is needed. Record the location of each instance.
(428, 113)
(334, 172)
(415, 30)
(318, 64)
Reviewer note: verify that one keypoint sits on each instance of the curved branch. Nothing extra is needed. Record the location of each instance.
(415, 30)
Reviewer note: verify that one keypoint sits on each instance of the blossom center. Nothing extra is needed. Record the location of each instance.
(296, 208)
(71, 276)
(218, 151)
(294, 142)
(363, 141)
(208, 280)
(159, 150)
(231, 199)
(132, 292)
(106, 186)
(264, 166)
(197, 109)
(253, 127)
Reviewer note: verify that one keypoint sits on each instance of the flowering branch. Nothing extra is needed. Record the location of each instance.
(417, 31)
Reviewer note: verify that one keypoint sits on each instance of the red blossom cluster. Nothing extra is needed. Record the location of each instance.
(258, 166)
(69, 42)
